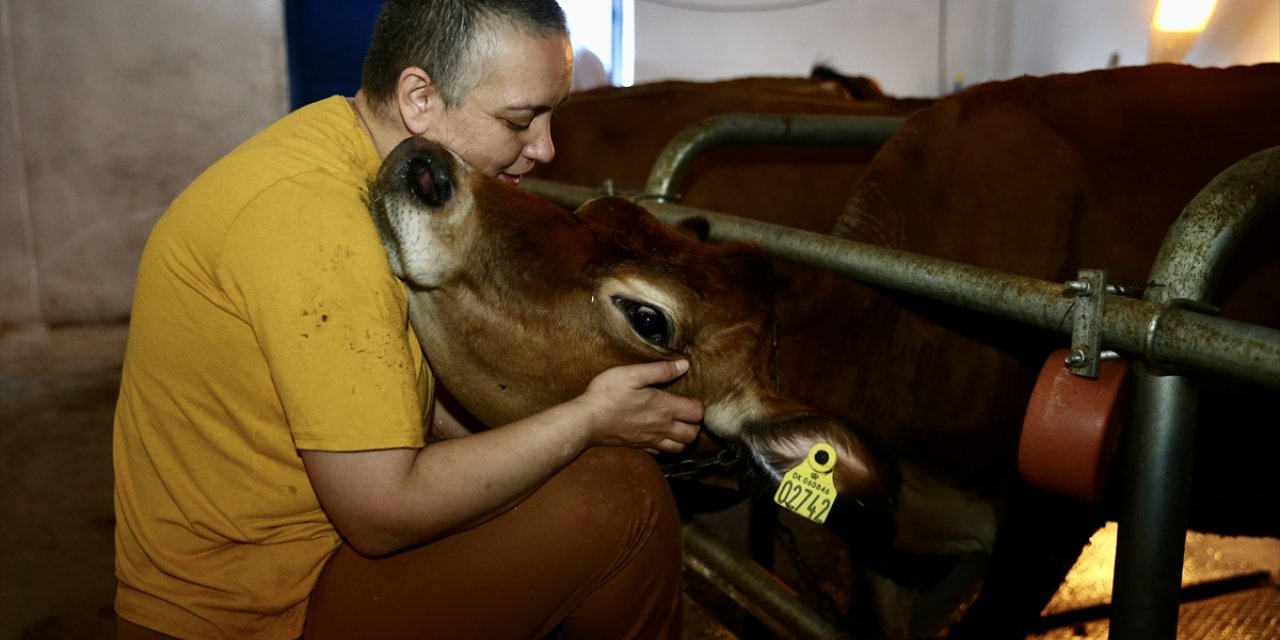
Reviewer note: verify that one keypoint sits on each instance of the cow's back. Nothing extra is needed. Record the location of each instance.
(614, 134)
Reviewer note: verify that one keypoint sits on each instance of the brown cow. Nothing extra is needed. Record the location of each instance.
(507, 288)
(1035, 176)
(1039, 177)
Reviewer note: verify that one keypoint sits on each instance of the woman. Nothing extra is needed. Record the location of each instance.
(273, 470)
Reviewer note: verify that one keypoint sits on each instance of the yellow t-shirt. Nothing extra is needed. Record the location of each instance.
(266, 319)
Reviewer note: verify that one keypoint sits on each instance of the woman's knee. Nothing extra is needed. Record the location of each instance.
(614, 487)
(629, 520)
(620, 466)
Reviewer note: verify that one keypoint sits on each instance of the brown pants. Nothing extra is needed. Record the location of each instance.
(594, 553)
(126, 630)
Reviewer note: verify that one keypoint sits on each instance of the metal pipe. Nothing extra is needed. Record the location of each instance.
(761, 128)
(1151, 538)
(754, 589)
(1157, 458)
(1182, 338)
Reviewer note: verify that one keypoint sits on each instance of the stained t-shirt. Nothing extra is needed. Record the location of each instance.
(265, 320)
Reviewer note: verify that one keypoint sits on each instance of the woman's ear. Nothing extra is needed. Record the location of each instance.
(418, 100)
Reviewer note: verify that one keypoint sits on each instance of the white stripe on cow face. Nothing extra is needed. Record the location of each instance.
(726, 416)
(425, 245)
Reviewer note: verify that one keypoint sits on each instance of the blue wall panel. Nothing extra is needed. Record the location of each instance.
(326, 41)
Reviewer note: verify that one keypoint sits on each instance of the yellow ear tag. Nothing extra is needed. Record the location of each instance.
(809, 489)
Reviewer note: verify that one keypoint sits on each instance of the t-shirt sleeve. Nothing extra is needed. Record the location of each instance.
(304, 261)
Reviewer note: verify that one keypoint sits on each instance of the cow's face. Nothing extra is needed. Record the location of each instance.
(519, 304)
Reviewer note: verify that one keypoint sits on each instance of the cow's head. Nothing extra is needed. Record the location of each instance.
(519, 304)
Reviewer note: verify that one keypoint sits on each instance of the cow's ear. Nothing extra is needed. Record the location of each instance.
(695, 227)
(418, 100)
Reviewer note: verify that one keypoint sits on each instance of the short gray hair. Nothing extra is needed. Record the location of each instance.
(449, 39)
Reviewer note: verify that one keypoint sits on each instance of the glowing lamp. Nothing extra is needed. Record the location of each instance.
(1175, 26)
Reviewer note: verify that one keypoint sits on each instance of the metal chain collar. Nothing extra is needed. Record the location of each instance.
(722, 462)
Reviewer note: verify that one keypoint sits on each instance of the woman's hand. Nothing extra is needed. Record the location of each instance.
(626, 410)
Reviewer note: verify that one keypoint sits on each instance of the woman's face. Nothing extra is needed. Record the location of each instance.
(503, 124)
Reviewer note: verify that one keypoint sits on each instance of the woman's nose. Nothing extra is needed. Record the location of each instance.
(540, 148)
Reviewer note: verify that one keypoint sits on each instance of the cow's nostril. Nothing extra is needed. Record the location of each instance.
(429, 181)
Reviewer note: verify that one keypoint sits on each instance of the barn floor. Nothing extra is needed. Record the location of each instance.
(57, 394)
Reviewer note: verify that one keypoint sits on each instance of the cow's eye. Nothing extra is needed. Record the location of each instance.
(649, 322)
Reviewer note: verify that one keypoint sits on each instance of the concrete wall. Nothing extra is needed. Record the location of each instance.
(1242, 32)
(108, 108)
(894, 41)
(918, 47)
(1049, 36)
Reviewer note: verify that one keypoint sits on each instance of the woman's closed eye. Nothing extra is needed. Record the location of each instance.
(517, 125)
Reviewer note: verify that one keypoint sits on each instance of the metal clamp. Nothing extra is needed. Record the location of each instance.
(1089, 290)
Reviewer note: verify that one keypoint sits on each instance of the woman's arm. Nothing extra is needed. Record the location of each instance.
(384, 501)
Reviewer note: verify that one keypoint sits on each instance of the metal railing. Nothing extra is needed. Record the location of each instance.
(761, 128)
(754, 589)
(1180, 337)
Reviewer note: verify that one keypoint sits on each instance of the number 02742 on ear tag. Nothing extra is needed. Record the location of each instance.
(809, 489)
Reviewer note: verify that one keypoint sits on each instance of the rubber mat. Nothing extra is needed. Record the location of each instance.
(1251, 614)
(1228, 586)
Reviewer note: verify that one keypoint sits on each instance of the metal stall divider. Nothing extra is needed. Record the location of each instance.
(760, 128)
(1157, 461)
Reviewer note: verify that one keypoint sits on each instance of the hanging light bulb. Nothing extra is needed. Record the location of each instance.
(1175, 25)
(1182, 16)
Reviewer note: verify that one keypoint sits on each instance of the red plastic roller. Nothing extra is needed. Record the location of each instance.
(1071, 430)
